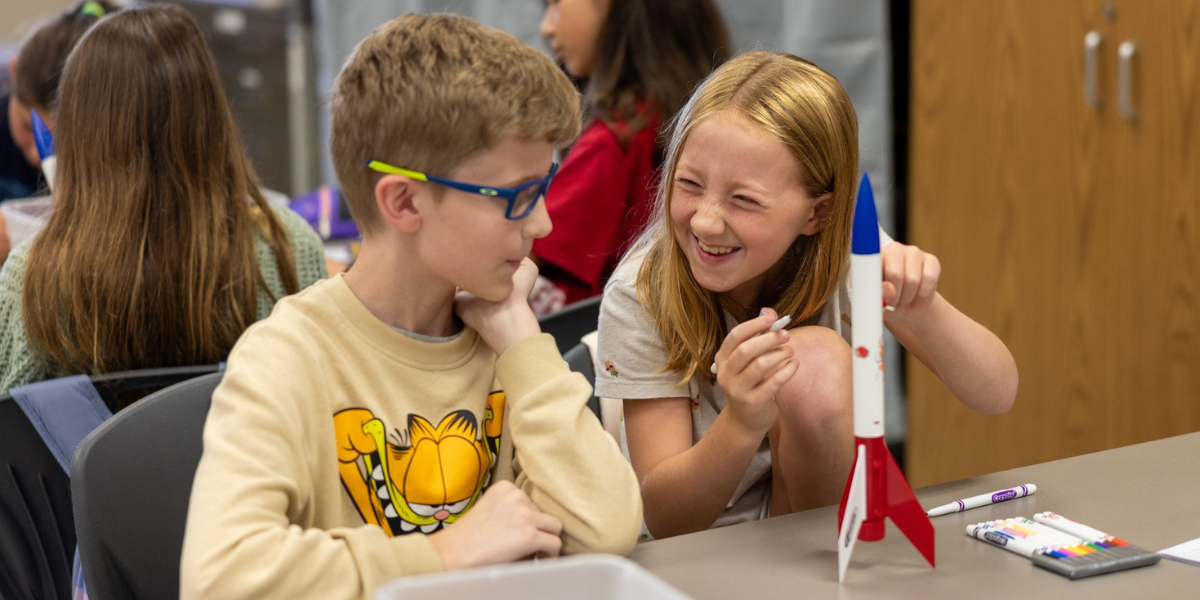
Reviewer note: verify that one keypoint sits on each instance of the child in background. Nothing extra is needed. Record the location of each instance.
(34, 74)
(753, 223)
(379, 424)
(161, 249)
(641, 59)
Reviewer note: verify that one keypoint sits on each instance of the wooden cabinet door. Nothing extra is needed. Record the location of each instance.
(1066, 229)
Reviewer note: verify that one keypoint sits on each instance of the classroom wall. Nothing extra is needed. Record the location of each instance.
(20, 15)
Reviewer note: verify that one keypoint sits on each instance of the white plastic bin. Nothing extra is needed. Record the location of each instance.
(24, 218)
(588, 577)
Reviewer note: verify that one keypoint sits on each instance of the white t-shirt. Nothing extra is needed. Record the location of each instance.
(629, 357)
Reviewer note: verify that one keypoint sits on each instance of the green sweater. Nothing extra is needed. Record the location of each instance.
(18, 366)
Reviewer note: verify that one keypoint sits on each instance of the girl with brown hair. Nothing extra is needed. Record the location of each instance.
(641, 59)
(753, 222)
(161, 249)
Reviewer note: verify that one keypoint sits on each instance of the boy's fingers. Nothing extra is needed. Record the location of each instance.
(548, 546)
(547, 523)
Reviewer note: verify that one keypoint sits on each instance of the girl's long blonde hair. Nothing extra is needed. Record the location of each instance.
(148, 259)
(807, 110)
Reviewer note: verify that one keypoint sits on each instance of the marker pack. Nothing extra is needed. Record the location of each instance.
(1066, 547)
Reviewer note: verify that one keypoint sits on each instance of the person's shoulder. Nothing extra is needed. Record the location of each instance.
(313, 307)
(298, 230)
(625, 275)
(13, 271)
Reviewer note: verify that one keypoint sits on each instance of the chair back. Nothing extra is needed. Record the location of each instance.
(131, 482)
(37, 531)
(572, 323)
(37, 534)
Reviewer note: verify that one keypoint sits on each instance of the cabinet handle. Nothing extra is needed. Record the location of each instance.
(1091, 51)
(1126, 52)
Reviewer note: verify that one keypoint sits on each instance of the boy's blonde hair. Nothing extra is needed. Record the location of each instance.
(426, 92)
(807, 110)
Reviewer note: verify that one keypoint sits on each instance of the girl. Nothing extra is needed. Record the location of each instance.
(161, 250)
(641, 59)
(34, 74)
(753, 223)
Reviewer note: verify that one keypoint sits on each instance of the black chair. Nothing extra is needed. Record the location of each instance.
(572, 322)
(37, 531)
(37, 535)
(131, 483)
(580, 361)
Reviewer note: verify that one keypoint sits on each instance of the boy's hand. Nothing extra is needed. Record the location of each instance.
(910, 278)
(503, 526)
(751, 368)
(506, 322)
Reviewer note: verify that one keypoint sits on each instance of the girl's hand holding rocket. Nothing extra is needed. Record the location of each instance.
(910, 278)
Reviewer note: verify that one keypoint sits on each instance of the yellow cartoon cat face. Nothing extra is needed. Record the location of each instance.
(425, 485)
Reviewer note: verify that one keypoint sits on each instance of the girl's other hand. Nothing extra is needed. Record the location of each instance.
(751, 368)
(910, 278)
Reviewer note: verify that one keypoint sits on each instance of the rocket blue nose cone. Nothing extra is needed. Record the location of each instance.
(41, 136)
(864, 237)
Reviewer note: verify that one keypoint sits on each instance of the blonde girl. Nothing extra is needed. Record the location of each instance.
(753, 222)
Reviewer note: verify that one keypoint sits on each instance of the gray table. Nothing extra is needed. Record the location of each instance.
(1148, 494)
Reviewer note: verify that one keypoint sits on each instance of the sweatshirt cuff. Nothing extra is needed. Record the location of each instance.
(528, 364)
(414, 555)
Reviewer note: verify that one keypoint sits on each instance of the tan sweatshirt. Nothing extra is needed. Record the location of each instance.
(335, 443)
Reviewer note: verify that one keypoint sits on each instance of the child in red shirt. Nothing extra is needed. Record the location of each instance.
(641, 59)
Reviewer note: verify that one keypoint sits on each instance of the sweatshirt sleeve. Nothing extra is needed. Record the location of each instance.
(565, 461)
(253, 490)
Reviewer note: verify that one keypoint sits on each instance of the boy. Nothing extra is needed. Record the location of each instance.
(363, 432)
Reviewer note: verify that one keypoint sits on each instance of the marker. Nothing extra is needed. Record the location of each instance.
(1050, 532)
(1075, 528)
(779, 323)
(1015, 545)
(45, 147)
(1053, 549)
(982, 500)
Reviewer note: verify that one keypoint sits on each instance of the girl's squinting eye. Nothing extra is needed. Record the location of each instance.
(682, 181)
(746, 200)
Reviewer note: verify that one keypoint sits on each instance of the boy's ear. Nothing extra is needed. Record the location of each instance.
(819, 217)
(396, 199)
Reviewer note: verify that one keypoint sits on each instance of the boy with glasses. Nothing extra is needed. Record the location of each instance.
(408, 416)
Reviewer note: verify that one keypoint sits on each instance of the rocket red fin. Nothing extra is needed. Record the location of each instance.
(906, 512)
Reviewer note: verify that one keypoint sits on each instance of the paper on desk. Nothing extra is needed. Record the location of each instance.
(1188, 552)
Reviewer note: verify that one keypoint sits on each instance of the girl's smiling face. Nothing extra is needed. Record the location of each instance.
(737, 204)
(572, 28)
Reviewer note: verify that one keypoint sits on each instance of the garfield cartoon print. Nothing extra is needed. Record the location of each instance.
(421, 479)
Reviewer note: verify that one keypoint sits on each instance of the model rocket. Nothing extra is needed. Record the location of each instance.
(877, 488)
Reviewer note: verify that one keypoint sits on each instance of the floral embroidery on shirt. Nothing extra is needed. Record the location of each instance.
(611, 369)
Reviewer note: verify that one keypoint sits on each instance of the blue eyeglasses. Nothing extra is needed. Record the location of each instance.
(521, 199)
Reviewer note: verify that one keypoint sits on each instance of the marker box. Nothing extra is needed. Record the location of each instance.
(1070, 556)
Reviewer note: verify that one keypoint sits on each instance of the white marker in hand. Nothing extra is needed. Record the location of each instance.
(779, 323)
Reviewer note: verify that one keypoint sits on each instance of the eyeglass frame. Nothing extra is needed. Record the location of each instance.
(508, 194)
